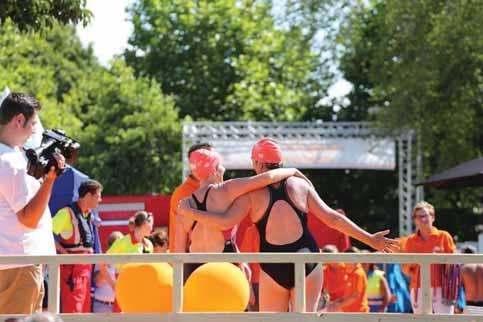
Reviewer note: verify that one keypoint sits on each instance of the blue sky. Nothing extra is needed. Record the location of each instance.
(109, 31)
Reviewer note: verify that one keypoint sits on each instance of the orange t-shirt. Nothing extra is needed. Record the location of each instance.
(336, 280)
(186, 189)
(439, 241)
(357, 281)
(251, 244)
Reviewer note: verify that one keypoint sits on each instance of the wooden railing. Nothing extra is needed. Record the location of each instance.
(299, 259)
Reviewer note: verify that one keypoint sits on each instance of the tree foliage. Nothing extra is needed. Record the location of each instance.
(40, 14)
(419, 65)
(128, 130)
(224, 59)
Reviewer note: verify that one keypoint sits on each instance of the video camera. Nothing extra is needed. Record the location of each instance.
(41, 159)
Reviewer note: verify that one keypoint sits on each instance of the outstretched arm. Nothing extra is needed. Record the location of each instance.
(343, 224)
(240, 186)
(235, 214)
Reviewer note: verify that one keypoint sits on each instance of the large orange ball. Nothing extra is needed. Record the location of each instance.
(216, 287)
(145, 288)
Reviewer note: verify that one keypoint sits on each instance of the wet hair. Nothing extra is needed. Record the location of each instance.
(18, 103)
(271, 166)
(89, 186)
(199, 146)
(141, 217)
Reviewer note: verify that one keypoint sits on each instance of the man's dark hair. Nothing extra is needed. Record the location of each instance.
(18, 103)
(199, 146)
(89, 186)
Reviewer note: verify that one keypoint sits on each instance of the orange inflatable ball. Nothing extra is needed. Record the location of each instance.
(145, 288)
(216, 287)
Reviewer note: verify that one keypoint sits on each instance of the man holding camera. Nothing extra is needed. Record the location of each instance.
(72, 225)
(24, 216)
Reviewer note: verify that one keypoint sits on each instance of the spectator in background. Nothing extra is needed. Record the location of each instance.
(335, 283)
(130, 224)
(25, 221)
(186, 189)
(378, 293)
(160, 241)
(428, 239)
(355, 295)
(104, 295)
(75, 236)
(472, 278)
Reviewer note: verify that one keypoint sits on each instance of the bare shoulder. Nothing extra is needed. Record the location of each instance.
(297, 184)
(297, 189)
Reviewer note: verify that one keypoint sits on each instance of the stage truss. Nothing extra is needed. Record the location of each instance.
(409, 159)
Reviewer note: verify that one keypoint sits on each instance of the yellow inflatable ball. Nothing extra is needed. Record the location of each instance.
(145, 288)
(216, 287)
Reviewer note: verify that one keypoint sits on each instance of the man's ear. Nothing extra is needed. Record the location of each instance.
(19, 120)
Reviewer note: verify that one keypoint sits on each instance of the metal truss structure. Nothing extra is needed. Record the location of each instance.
(409, 159)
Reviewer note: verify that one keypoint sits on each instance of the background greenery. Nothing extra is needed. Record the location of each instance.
(412, 65)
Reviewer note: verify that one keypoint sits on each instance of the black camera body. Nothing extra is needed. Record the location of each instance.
(41, 159)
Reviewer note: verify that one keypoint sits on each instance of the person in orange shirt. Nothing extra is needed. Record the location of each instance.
(335, 283)
(251, 244)
(428, 239)
(186, 189)
(355, 297)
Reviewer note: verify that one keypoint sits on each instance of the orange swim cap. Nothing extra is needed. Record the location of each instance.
(267, 150)
(203, 163)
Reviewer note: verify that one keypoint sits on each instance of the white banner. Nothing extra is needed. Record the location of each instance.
(336, 153)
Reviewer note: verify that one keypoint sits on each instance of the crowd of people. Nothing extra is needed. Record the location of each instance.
(205, 213)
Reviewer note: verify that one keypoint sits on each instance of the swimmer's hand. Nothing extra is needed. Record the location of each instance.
(384, 244)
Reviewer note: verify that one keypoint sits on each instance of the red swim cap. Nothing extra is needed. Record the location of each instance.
(267, 150)
(203, 163)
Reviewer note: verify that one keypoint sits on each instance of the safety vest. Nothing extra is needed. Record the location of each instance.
(82, 238)
(374, 294)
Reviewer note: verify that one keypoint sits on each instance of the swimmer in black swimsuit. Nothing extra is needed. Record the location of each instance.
(279, 213)
(216, 195)
(283, 274)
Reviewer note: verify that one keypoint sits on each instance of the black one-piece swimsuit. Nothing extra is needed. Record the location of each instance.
(283, 274)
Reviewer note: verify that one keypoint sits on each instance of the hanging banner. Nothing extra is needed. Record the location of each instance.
(332, 153)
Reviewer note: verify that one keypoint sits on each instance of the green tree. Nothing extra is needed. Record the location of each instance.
(419, 65)
(224, 59)
(128, 130)
(40, 14)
